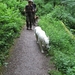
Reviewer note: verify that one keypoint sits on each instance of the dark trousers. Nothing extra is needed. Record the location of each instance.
(29, 20)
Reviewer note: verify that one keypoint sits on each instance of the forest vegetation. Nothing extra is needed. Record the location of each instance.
(57, 19)
(11, 22)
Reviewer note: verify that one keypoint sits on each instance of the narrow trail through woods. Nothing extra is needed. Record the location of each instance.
(26, 57)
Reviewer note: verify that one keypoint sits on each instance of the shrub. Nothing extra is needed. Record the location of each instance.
(58, 35)
(54, 72)
(64, 63)
(11, 22)
(43, 8)
(61, 42)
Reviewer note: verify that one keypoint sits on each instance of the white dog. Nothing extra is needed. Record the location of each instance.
(41, 38)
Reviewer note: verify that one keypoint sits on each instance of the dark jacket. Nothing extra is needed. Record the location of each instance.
(29, 9)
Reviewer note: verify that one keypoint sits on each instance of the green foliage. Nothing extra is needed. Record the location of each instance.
(11, 22)
(70, 6)
(56, 13)
(40, 5)
(60, 9)
(64, 16)
(62, 44)
(21, 7)
(47, 8)
(54, 72)
(58, 36)
(70, 22)
(38, 2)
(11, 3)
(64, 63)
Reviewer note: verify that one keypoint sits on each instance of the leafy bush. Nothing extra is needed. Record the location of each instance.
(21, 7)
(54, 72)
(11, 3)
(47, 8)
(64, 63)
(60, 41)
(43, 8)
(58, 36)
(64, 16)
(63, 10)
(11, 22)
(40, 5)
(70, 22)
(70, 6)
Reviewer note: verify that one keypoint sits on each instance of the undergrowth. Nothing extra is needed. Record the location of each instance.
(62, 44)
(11, 23)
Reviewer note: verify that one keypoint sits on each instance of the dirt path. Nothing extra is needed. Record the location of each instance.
(26, 58)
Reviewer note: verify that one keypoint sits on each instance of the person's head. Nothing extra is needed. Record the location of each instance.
(30, 2)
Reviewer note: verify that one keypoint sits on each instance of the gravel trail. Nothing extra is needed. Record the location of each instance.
(26, 57)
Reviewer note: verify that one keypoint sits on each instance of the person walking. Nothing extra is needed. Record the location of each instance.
(29, 10)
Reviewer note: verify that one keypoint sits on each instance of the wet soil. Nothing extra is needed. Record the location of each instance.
(26, 57)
